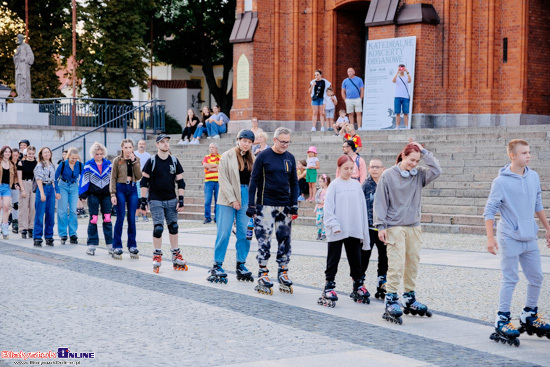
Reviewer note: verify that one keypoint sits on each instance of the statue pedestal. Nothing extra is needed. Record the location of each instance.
(23, 114)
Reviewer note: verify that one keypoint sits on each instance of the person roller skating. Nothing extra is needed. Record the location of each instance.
(273, 203)
(217, 274)
(397, 208)
(233, 175)
(265, 285)
(285, 284)
(243, 273)
(532, 324)
(505, 332)
(160, 173)
(177, 260)
(516, 195)
(414, 307)
(392, 310)
(329, 296)
(346, 224)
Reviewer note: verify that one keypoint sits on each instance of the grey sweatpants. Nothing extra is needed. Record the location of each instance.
(528, 255)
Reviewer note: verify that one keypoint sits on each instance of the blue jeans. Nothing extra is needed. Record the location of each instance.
(68, 201)
(126, 196)
(210, 189)
(47, 209)
(214, 129)
(401, 102)
(94, 202)
(199, 131)
(226, 216)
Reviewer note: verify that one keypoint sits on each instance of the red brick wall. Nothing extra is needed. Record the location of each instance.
(538, 58)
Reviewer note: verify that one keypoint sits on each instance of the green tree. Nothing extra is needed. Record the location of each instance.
(113, 53)
(197, 32)
(47, 23)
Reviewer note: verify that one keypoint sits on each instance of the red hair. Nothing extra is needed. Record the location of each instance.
(409, 148)
(343, 159)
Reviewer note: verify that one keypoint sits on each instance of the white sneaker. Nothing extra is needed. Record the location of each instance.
(208, 137)
(216, 137)
(313, 129)
(185, 142)
(194, 142)
(180, 142)
(322, 129)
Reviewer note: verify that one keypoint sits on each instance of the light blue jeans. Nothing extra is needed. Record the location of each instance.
(214, 129)
(199, 131)
(225, 217)
(66, 209)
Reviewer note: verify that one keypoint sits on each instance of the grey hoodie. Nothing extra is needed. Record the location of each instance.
(517, 198)
(397, 199)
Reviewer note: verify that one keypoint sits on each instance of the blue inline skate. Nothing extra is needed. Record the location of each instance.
(414, 307)
(392, 311)
(505, 332)
(532, 324)
(243, 273)
(217, 274)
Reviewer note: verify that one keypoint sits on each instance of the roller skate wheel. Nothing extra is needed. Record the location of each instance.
(333, 304)
(521, 329)
(516, 342)
(290, 290)
(225, 280)
(368, 301)
(429, 313)
(156, 270)
(494, 337)
(529, 332)
(406, 311)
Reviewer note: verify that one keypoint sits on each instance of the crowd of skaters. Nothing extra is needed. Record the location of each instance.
(355, 211)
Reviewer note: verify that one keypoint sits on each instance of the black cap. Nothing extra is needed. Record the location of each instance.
(162, 136)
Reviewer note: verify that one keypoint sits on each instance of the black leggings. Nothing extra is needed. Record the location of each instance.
(188, 132)
(382, 256)
(353, 252)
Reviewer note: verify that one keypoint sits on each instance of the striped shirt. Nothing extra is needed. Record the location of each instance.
(211, 175)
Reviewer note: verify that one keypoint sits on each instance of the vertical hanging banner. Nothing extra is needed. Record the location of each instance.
(382, 62)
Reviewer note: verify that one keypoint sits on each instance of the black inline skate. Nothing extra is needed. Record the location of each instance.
(217, 274)
(381, 289)
(178, 261)
(15, 226)
(63, 240)
(392, 311)
(505, 332)
(532, 324)
(37, 242)
(329, 296)
(24, 234)
(264, 285)
(49, 242)
(157, 260)
(360, 293)
(414, 307)
(285, 284)
(243, 273)
(73, 240)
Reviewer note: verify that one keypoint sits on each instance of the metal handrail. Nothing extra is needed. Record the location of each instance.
(83, 136)
(95, 99)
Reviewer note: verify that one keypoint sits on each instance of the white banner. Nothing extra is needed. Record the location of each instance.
(382, 61)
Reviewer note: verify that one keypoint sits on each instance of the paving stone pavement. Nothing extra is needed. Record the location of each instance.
(128, 316)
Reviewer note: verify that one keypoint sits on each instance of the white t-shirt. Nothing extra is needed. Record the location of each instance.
(329, 104)
(342, 120)
(402, 87)
(312, 162)
(143, 157)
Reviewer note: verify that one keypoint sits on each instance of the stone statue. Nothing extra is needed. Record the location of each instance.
(23, 60)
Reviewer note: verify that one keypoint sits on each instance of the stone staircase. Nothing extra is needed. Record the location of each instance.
(454, 203)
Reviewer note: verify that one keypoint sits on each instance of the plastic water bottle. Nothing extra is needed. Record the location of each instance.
(250, 229)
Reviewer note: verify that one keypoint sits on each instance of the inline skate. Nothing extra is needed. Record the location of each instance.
(178, 261)
(63, 240)
(360, 294)
(243, 273)
(285, 284)
(73, 240)
(91, 250)
(505, 332)
(264, 283)
(532, 324)
(49, 242)
(15, 226)
(392, 311)
(381, 289)
(217, 274)
(134, 253)
(329, 296)
(414, 307)
(24, 234)
(37, 242)
(117, 253)
(157, 260)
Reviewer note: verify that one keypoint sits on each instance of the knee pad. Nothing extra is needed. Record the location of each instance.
(157, 231)
(107, 218)
(173, 228)
(15, 206)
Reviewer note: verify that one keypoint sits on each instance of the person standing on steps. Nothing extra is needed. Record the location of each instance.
(67, 177)
(211, 163)
(143, 157)
(402, 95)
(352, 94)
(516, 195)
(234, 177)
(397, 208)
(46, 194)
(25, 175)
(376, 168)
(160, 173)
(94, 186)
(318, 91)
(126, 173)
(273, 202)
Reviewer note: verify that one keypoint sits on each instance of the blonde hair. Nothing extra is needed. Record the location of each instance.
(97, 146)
(72, 150)
(263, 134)
(514, 143)
(124, 141)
